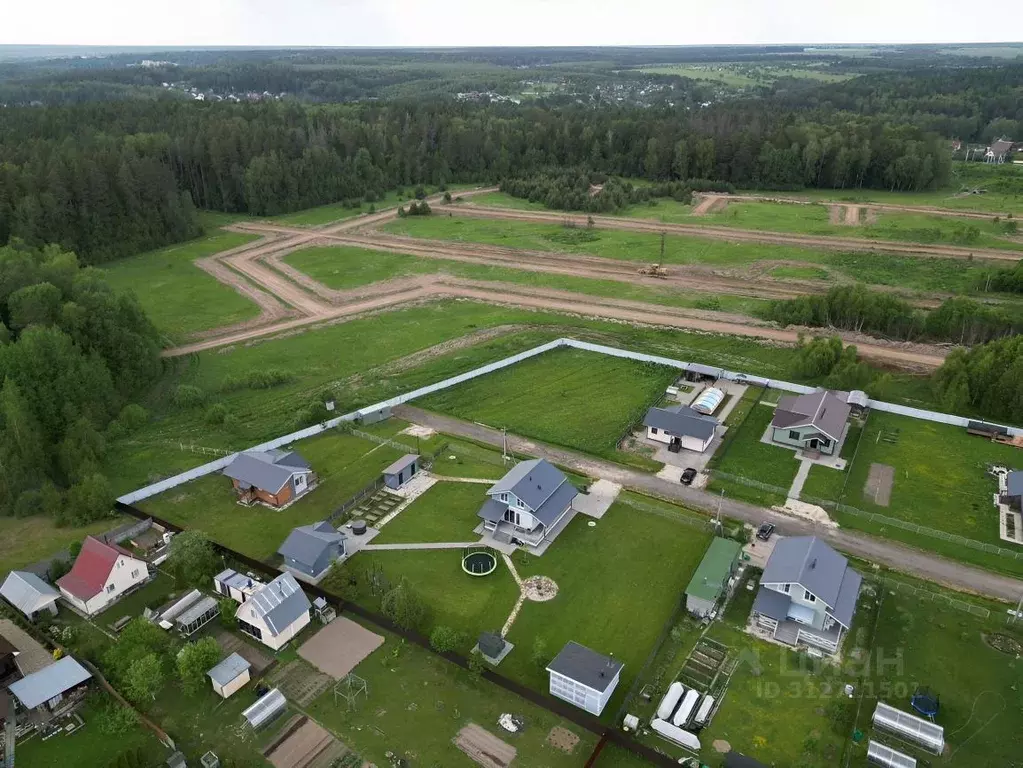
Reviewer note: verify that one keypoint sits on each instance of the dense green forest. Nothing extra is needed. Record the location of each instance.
(100, 178)
(958, 320)
(73, 355)
(987, 378)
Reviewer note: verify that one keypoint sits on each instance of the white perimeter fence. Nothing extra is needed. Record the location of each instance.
(705, 370)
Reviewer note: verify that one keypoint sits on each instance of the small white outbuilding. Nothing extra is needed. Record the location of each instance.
(230, 675)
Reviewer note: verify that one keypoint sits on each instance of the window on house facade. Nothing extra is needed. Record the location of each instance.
(250, 630)
(504, 497)
(785, 588)
(653, 430)
(110, 588)
(825, 442)
(794, 435)
(135, 573)
(809, 596)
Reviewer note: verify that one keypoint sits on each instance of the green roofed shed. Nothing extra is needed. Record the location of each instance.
(710, 581)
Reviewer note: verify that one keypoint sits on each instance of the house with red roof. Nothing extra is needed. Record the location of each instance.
(101, 574)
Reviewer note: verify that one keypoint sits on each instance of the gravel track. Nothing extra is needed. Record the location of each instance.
(927, 209)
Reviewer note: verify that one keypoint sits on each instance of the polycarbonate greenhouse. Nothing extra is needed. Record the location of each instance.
(266, 708)
(880, 754)
(910, 727)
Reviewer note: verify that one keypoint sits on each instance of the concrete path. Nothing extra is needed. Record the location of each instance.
(916, 562)
(433, 545)
(477, 480)
(797, 482)
(413, 489)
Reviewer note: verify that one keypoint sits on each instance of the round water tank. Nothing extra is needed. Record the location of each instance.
(358, 527)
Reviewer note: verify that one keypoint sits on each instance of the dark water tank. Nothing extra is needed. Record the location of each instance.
(359, 527)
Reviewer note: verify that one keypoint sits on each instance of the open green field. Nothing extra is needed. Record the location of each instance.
(745, 456)
(25, 540)
(744, 75)
(906, 272)
(941, 478)
(446, 512)
(326, 214)
(344, 267)
(418, 702)
(618, 584)
(465, 459)
(178, 297)
(566, 397)
(89, 746)
(344, 464)
(948, 650)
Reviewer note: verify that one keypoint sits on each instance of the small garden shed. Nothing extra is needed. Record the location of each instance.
(710, 582)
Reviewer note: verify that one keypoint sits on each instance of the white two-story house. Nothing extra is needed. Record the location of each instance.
(528, 504)
(807, 594)
(101, 574)
(273, 613)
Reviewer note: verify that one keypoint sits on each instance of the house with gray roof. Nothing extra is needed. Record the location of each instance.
(29, 594)
(999, 151)
(275, 613)
(1013, 495)
(584, 677)
(529, 504)
(680, 426)
(275, 477)
(53, 690)
(807, 594)
(813, 422)
(312, 549)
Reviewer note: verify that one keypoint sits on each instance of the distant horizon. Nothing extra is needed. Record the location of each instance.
(224, 24)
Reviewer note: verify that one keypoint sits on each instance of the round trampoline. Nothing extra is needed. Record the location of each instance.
(479, 561)
(926, 702)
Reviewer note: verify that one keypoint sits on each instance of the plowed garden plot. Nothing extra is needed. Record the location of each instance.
(566, 397)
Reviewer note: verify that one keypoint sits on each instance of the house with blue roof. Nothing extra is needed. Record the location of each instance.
(807, 594)
(529, 505)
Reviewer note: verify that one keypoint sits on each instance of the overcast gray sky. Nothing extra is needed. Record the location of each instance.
(489, 22)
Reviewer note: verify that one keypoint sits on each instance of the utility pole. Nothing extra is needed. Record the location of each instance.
(1014, 616)
(504, 444)
(717, 518)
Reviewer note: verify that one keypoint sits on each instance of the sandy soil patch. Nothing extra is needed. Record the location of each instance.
(338, 648)
(563, 739)
(484, 748)
(878, 487)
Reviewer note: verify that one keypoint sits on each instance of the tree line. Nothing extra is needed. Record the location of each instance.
(73, 355)
(115, 177)
(987, 379)
(856, 308)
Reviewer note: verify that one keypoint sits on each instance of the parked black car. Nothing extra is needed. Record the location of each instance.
(764, 531)
(688, 475)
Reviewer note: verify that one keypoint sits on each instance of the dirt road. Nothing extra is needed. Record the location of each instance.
(734, 235)
(896, 556)
(926, 209)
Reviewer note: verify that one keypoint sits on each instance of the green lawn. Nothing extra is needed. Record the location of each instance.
(89, 746)
(566, 397)
(446, 512)
(325, 214)
(747, 457)
(417, 703)
(178, 297)
(827, 483)
(344, 464)
(344, 268)
(465, 459)
(25, 540)
(946, 649)
(941, 478)
(745, 74)
(468, 604)
(618, 584)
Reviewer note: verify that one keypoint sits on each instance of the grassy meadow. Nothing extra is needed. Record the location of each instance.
(178, 297)
(566, 397)
(446, 512)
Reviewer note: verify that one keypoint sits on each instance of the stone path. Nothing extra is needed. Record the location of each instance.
(432, 545)
(797, 482)
(518, 603)
(415, 488)
(477, 480)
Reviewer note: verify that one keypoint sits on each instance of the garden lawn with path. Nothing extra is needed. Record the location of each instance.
(619, 582)
(453, 598)
(26, 540)
(345, 464)
(179, 297)
(417, 703)
(446, 512)
(566, 397)
(745, 456)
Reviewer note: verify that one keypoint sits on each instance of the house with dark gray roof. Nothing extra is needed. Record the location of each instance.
(528, 504)
(679, 426)
(999, 151)
(29, 594)
(813, 422)
(807, 594)
(1013, 495)
(275, 613)
(275, 477)
(584, 677)
(312, 549)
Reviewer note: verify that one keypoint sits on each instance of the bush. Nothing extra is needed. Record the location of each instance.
(404, 607)
(445, 639)
(116, 720)
(187, 396)
(228, 619)
(216, 414)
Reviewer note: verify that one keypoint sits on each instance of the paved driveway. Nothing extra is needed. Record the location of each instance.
(913, 561)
